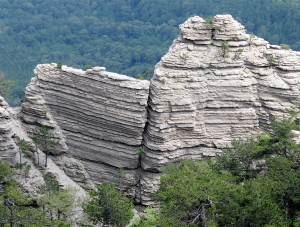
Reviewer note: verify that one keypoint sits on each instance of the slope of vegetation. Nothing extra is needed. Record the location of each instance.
(125, 36)
(18, 209)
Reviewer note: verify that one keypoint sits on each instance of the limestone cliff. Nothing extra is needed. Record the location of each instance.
(202, 97)
(99, 117)
(8, 149)
(214, 84)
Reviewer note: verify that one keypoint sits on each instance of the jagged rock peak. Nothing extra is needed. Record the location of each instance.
(221, 27)
(196, 29)
(204, 93)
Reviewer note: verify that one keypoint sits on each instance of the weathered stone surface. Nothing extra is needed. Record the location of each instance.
(8, 149)
(226, 28)
(149, 182)
(97, 116)
(75, 170)
(200, 99)
(196, 29)
(125, 180)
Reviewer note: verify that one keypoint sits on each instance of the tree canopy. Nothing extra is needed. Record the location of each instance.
(125, 36)
(108, 207)
(18, 209)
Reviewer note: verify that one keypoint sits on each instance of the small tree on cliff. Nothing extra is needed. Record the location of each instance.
(23, 146)
(57, 202)
(45, 140)
(225, 49)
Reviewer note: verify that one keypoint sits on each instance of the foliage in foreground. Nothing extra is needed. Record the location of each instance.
(108, 207)
(256, 182)
(57, 203)
(149, 220)
(17, 209)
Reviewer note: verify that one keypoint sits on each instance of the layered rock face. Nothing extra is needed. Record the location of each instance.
(215, 83)
(8, 149)
(98, 116)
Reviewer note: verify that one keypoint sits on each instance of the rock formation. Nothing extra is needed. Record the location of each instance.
(8, 148)
(214, 84)
(98, 116)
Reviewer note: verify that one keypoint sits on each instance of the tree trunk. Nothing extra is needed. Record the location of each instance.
(58, 214)
(46, 160)
(11, 217)
(38, 157)
(287, 206)
(203, 217)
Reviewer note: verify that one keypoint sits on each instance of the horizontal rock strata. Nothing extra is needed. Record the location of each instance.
(203, 96)
(215, 83)
(99, 115)
(8, 149)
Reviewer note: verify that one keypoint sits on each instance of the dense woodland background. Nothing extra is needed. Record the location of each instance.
(125, 36)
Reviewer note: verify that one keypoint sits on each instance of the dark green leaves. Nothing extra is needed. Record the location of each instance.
(106, 206)
(254, 182)
(45, 141)
(16, 208)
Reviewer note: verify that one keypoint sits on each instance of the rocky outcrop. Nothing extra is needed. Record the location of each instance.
(215, 83)
(98, 117)
(8, 149)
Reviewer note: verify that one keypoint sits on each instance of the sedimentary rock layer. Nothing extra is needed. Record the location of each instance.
(215, 83)
(99, 115)
(8, 148)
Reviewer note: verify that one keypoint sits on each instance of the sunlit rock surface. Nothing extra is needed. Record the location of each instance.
(199, 99)
(8, 149)
(100, 117)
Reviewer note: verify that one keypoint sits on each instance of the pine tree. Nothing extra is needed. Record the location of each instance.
(45, 141)
(108, 207)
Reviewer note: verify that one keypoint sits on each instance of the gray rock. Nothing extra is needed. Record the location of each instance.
(197, 102)
(98, 117)
(8, 149)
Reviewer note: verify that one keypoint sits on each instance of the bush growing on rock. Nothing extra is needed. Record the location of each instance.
(225, 49)
(285, 46)
(59, 65)
(87, 67)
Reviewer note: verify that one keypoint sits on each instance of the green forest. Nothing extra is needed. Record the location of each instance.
(125, 36)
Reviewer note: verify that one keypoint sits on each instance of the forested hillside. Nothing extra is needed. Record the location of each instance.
(125, 36)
